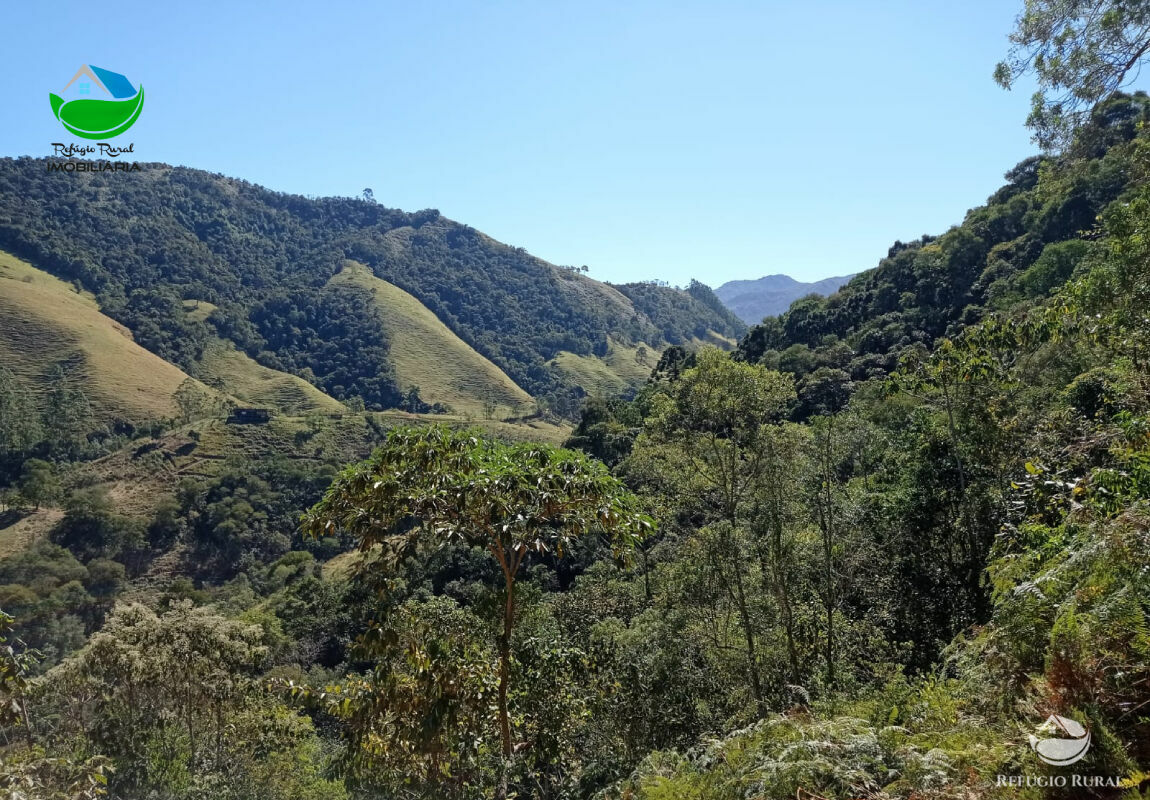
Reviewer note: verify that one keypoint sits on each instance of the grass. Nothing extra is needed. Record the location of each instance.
(45, 321)
(19, 531)
(620, 369)
(198, 310)
(713, 339)
(426, 353)
(254, 384)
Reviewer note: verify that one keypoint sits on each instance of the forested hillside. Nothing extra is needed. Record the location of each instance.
(1023, 244)
(143, 242)
(894, 545)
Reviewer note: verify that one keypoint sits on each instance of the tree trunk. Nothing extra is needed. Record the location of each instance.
(504, 681)
(774, 585)
(827, 526)
(752, 656)
(953, 429)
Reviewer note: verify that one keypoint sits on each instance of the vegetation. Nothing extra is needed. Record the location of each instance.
(459, 488)
(430, 358)
(46, 326)
(1032, 235)
(897, 528)
(263, 260)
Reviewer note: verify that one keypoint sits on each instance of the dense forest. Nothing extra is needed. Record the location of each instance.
(263, 258)
(884, 548)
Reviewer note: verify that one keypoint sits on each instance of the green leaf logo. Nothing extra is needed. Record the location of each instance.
(97, 103)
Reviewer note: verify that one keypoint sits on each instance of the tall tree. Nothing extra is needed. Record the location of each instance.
(38, 483)
(778, 515)
(437, 485)
(67, 416)
(709, 437)
(19, 426)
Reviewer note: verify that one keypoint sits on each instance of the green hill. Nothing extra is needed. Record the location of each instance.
(427, 354)
(45, 323)
(258, 263)
(225, 367)
(621, 368)
(1031, 236)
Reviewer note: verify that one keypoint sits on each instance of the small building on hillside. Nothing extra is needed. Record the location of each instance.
(249, 416)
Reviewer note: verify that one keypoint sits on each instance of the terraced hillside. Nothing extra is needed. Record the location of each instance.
(45, 322)
(223, 366)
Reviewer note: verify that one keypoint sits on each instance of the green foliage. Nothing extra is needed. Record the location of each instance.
(1019, 248)
(38, 483)
(173, 699)
(1081, 53)
(898, 528)
(246, 516)
(437, 485)
(264, 258)
(679, 316)
(91, 528)
(336, 338)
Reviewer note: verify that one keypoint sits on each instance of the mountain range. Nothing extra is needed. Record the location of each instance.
(771, 295)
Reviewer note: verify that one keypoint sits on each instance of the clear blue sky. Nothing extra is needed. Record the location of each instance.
(714, 140)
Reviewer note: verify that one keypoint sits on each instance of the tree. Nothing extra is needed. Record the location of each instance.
(29, 774)
(776, 520)
(489, 407)
(162, 694)
(1081, 51)
(707, 439)
(437, 485)
(91, 527)
(38, 483)
(194, 401)
(828, 504)
(19, 426)
(67, 416)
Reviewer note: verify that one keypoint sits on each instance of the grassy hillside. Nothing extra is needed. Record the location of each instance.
(427, 354)
(223, 366)
(45, 321)
(623, 367)
(262, 260)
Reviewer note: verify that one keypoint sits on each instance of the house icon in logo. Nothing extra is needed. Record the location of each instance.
(97, 103)
(1068, 744)
(113, 85)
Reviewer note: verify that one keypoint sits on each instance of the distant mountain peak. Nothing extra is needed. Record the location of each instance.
(771, 295)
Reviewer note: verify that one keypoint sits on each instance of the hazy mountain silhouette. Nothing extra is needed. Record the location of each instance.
(771, 295)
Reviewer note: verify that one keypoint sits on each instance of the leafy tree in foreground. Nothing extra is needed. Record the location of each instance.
(511, 499)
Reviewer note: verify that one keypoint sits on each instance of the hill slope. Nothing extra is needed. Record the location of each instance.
(226, 368)
(771, 295)
(263, 259)
(1032, 235)
(427, 354)
(44, 322)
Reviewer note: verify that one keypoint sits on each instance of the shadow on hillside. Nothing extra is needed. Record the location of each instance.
(11, 516)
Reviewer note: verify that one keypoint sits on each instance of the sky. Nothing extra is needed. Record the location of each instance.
(647, 140)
